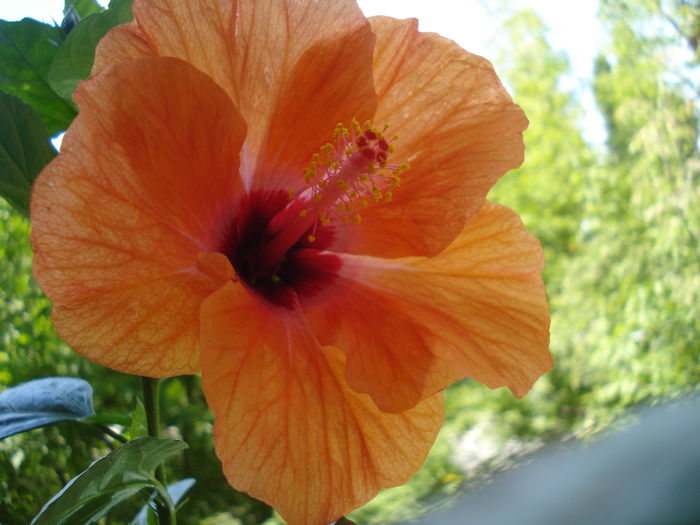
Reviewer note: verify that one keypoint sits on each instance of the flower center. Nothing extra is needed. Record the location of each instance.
(277, 241)
(304, 271)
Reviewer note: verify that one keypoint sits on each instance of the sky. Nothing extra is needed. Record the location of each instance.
(574, 28)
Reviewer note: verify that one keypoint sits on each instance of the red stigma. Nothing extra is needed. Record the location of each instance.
(369, 153)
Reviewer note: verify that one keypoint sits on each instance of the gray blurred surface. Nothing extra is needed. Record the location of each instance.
(646, 474)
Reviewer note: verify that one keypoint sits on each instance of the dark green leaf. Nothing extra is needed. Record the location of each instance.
(74, 59)
(109, 481)
(24, 150)
(27, 49)
(176, 490)
(84, 8)
(70, 20)
(42, 402)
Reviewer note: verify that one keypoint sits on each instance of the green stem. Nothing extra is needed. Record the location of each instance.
(151, 402)
(111, 433)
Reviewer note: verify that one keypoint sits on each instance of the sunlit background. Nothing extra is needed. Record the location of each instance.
(610, 187)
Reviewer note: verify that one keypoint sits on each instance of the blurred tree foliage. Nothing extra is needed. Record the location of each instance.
(619, 223)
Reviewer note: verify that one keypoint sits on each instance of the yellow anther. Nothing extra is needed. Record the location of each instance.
(349, 173)
(291, 194)
(311, 238)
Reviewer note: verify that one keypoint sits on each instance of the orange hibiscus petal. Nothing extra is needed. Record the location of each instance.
(293, 69)
(147, 328)
(124, 42)
(330, 83)
(412, 326)
(288, 429)
(457, 128)
(145, 179)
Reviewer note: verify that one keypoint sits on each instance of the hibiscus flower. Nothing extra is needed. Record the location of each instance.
(207, 213)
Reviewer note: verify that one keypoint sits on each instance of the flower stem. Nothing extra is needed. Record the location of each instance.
(111, 433)
(151, 402)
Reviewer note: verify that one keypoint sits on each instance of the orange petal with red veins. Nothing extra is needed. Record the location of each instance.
(123, 42)
(457, 128)
(145, 180)
(330, 83)
(412, 326)
(288, 429)
(293, 69)
(216, 266)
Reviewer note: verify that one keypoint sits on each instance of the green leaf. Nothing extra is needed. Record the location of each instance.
(84, 8)
(73, 61)
(43, 402)
(176, 490)
(139, 425)
(27, 49)
(109, 419)
(24, 150)
(109, 481)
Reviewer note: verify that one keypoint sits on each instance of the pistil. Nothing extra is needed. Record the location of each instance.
(305, 210)
(347, 175)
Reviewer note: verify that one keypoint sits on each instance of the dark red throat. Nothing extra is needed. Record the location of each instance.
(303, 272)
